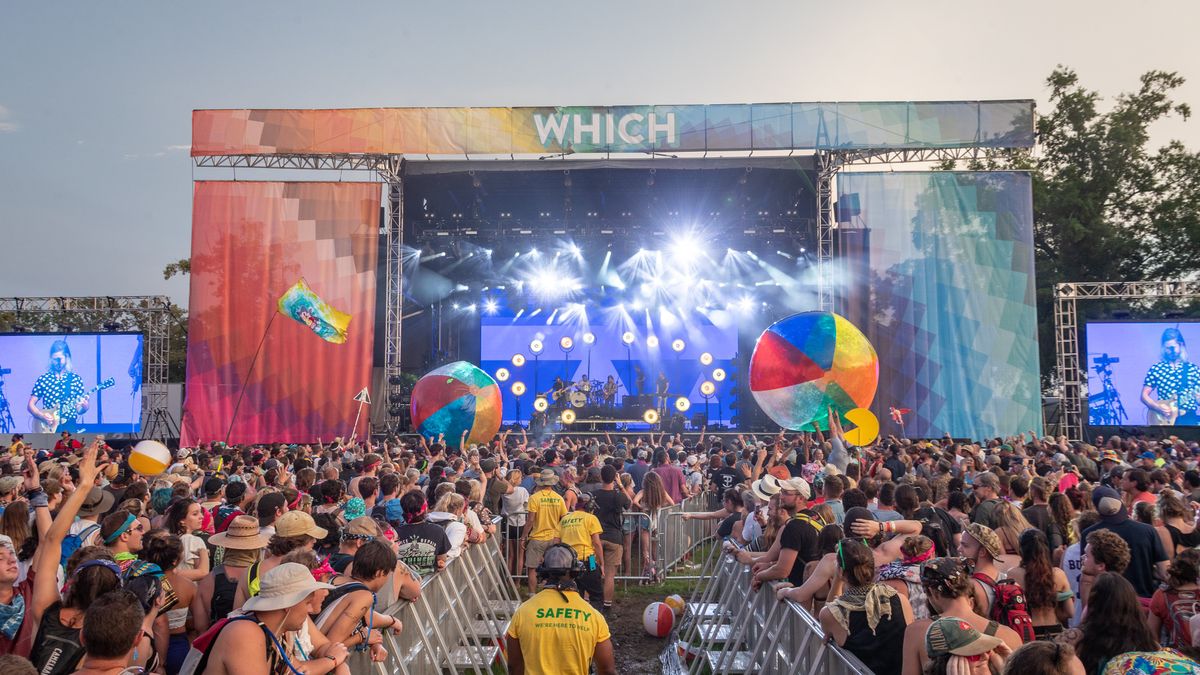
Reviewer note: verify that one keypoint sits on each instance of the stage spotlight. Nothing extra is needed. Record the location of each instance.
(518, 388)
(746, 303)
(566, 343)
(491, 306)
(568, 416)
(395, 380)
(536, 346)
(652, 342)
(574, 249)
(518, 360)
(650, 416)
(706, 359)
(628, 337)
(719, 375)
(682, 404)
(678, 344)
(589, 338)
(708, 388)
(533, 253)
(540, 404)
(502, 374)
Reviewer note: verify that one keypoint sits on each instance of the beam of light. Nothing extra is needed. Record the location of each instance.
(490, 306)
(535, 312)
(552, 316)
(519, 313)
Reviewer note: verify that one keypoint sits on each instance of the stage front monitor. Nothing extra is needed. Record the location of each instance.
(79, 382)
(1142, 373)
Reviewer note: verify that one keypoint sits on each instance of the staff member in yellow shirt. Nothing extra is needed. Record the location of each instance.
(581, 531)
(546, 509)
(17, 448)
(555, 632)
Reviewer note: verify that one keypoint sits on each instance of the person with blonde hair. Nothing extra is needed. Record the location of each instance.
(448, 513)
(1178, 523)
(1010, 523)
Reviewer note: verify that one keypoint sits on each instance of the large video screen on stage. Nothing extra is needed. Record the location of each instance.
(78, 382)
(647, 364)
(1142, 373)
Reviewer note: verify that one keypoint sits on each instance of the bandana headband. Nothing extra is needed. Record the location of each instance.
(921, 557)
(129, 520)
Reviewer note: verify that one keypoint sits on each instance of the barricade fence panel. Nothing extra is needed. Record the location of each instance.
(732, 629)
(458, 623)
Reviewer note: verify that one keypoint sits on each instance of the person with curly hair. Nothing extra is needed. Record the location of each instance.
(1043, 658)
(1172, 605)
(1104, 552)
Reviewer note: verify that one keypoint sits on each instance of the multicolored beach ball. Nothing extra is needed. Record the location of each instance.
(455, 398)
(809, 362)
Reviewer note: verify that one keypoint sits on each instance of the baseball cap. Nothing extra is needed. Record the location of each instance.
(987, 538)
(487, 465)
(988, 480)
(297, 523)
(796, 484)
(393, 511)
(1107, 501)
(952, 635)
(1147, 455)
(9, 484)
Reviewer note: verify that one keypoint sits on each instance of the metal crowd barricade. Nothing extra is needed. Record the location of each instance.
(459, 622)
(677, 538)
(734, 629)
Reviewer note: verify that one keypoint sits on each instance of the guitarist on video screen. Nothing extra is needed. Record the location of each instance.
(58, 396)
(1176, 381)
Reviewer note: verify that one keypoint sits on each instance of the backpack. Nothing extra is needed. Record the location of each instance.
(196, 661)
(1008, 605)
(73, 542)
(1181, 608)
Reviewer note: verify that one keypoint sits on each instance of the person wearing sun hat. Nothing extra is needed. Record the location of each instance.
(954, 646)
(254, 645)
(243, 544)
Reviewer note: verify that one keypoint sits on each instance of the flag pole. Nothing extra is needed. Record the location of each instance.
(246, 382)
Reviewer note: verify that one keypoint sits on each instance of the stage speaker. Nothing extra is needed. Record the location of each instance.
(699, 420)
(848, 207)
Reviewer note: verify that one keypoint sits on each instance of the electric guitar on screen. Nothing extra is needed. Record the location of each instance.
(1158, 418)
(66, 412)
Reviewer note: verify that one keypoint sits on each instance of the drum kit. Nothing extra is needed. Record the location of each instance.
(586, 392)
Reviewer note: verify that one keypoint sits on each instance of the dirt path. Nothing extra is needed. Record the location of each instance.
(637, 652)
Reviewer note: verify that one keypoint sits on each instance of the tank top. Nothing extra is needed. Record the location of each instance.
(56, 650)
(883, 650)
(1179, 538)
(224, 590)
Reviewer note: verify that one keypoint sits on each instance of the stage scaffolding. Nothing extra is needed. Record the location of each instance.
(152, 315)
(389, 170)
(1073, 377)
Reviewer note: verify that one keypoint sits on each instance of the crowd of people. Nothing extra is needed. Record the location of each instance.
(1016, 555)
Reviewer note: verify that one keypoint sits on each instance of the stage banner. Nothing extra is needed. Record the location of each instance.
(644, 128)
(253, 243)
(946, 295)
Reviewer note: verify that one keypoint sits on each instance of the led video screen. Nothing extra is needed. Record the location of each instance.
(1141, 373)
(602, 374)
(78, 382)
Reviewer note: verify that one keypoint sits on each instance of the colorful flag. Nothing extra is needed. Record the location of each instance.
(303, 305)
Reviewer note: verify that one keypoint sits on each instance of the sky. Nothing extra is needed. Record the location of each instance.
(96, 98)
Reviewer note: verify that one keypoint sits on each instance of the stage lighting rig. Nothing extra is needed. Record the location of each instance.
(518, 360)
(678, 345)
(706, 359)
(540, 404)
(719, 374)
(536, 347)
(502, 374)
(649, 417)
(682, 404)
(628, 337)
(518, 389)
(652, 342)
(568, 416)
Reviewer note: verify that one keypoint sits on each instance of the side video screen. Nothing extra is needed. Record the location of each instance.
(1142, 373)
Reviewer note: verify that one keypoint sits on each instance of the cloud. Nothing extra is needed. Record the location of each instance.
(178, 148)
(6, 123)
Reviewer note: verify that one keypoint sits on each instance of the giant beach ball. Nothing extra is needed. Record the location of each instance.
(149, 458)
(809, 362)
(657, 619)
(455, 398)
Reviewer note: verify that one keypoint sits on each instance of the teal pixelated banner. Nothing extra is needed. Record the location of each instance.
(940, 268)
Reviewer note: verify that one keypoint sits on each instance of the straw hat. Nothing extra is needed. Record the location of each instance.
(547, 477)
(284, 586)
(243, 535)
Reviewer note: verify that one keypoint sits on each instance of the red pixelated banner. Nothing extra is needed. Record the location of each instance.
(251, 243)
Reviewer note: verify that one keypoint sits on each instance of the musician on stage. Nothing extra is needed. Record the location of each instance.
(610, 392)
(661, 386)
(639, 381)
(1176, 383)
(558, 395)
(58, 392)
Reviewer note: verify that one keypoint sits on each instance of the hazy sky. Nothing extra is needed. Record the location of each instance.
(95, 97)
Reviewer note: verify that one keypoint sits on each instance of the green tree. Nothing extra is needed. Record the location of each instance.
(1106, 205)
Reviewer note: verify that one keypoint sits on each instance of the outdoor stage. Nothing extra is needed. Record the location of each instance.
(640, 248)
